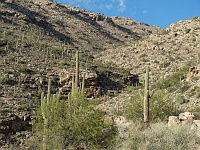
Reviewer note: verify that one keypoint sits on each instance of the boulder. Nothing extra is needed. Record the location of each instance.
(97, 17)
(173, 121)
(186, 116)
(196, 127)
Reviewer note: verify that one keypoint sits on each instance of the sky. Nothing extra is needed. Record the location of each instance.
(160, 13)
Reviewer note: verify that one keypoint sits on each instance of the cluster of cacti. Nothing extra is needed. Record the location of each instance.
(75, 78)
(74, 120)
(45, 101)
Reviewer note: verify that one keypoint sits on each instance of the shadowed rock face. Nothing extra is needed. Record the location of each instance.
(3, 42)
(13, 123)
(92, 86)
(10, 124)
(95, 84)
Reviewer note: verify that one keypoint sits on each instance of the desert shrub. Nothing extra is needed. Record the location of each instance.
(187, 30)
(160, 137)
(142, 55)
(195, 17)
(4, 80)
(195, 91)
(195, 109)
(165, 32)
(160, 107)
(181, 100)
(73, 123)
(6, 71)
(25, 70)
(172, 82)
(184, 87)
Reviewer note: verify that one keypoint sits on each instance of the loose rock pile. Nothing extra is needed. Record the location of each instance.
(185, 119)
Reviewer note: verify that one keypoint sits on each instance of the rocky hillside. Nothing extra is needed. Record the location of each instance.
(164, 51)
(167, 52)
(38, 40)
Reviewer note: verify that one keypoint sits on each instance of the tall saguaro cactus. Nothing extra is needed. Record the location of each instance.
(77, 70)
(50, 110)
(146, 97)
(44, 111)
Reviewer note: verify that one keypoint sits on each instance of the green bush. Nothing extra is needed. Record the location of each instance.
(187, 30)
(25, 70)
(4, 80)
(181, 100)
(195, 91)
(173, 82)
(73, 123)
(160, 107)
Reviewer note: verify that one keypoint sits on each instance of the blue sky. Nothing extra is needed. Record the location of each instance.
(153, 12)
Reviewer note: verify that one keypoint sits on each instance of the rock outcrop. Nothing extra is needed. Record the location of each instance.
(193, 72)
(92, 87)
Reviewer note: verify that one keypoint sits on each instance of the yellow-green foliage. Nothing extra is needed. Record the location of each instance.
(4, 80)
(160, 107)
(172, 82)
(75, 122)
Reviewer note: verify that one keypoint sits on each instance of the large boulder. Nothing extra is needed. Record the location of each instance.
(186, 116)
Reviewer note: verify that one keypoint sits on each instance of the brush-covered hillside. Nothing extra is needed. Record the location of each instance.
(39, 40)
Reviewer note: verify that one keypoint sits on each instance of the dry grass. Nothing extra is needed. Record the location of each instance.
(160, 137)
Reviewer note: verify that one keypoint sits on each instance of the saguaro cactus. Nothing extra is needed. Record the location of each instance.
(45, 126)
(77, 70)
(44, 111)
(50, 107)
(146, 97)
(83, 84)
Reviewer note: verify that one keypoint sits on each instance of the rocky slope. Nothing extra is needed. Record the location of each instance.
(164, 51)
(167, 52)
